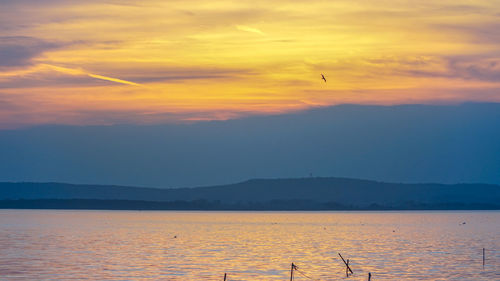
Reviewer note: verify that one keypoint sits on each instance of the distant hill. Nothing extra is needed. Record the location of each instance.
(312, 193)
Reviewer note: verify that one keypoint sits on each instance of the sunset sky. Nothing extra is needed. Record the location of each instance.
(109, 62)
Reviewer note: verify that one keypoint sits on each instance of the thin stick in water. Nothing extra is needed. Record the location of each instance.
(483, 257)
(346, 263)
(346, 269)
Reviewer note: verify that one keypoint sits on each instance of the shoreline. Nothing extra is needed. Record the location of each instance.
(204, 205)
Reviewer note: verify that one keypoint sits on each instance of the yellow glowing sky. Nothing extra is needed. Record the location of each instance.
(106, 62)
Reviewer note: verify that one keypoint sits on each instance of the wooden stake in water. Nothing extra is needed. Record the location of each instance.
(225, 276)
(369, 276)
(347, 269)
(291, 271)
(483, 257)
(346, 264)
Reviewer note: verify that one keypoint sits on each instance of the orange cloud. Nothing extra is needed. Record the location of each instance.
(195, 61)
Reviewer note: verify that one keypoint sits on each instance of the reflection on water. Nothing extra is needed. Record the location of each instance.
(130, 245)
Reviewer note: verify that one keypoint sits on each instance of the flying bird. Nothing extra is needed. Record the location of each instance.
(323, 77)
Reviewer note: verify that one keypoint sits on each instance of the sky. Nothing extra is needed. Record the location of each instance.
(150, 61)
(406, 143)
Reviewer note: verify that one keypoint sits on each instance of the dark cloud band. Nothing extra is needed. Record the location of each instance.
(20, 50)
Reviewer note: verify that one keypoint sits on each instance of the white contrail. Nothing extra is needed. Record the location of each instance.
(112, 79)
(74, 71)
(249, 29)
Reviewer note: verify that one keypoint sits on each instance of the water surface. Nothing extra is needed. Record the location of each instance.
(167, 245)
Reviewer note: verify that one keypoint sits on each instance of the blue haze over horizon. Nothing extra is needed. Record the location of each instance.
(404, 143)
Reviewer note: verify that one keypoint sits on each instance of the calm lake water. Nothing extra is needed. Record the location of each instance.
(134, 245)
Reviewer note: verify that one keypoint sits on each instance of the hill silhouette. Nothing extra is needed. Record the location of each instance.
(311, 193)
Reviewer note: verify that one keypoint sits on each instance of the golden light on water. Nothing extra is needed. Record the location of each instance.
(132, 245)
(96, 62)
